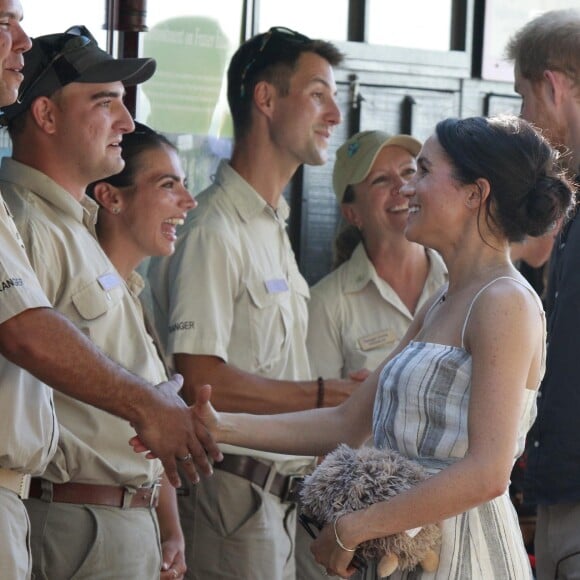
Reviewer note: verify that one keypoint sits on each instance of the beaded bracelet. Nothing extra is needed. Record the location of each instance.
(338, 540)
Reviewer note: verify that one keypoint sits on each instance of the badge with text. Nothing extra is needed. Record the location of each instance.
(276, 285)
(109, 281)
(376, 340)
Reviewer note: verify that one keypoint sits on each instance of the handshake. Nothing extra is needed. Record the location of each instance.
(171, 431)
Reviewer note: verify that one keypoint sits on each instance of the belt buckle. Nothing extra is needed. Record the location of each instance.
(155, 489)
(291, 489)
(270, 478)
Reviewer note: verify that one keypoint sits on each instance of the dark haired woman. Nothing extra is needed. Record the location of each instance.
(458, 393)
(140, 209)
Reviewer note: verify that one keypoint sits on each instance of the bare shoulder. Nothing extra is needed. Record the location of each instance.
(509, 292)
(507, 306)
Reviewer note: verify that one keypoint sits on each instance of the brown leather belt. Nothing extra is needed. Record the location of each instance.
(83, 493)
(264, 475)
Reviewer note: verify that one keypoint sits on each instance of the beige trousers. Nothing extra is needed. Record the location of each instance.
(15, 560)
(93, 542)
(238, 532)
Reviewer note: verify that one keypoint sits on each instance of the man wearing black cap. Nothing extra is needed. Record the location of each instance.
(232, 303)
(92, 511)
(35, 337)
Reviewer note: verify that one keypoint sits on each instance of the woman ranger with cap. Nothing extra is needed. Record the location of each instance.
(360, 311)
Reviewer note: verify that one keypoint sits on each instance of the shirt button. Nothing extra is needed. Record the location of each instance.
(539, 394)
(562, 245)
(536, 443)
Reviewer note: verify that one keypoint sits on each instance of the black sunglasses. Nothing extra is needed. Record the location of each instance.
(276, 32)
(313, 528)
(76, 37)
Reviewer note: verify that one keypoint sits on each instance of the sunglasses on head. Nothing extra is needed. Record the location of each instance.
(75, 38)
(313, 529)
(275, 33)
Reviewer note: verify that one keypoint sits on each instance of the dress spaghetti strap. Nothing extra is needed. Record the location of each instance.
(529, 288)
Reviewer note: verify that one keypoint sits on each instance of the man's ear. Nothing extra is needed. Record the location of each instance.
(558, 85)
(42, 113)
(108, 197)
(264, 97)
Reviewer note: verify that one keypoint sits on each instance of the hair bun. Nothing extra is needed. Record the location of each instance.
(544, 204)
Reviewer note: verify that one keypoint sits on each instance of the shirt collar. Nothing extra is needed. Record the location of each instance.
(135, 283)
(359, 270)
(44, 187)
(247, 201)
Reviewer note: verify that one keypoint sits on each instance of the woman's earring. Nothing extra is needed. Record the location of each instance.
(116, 210)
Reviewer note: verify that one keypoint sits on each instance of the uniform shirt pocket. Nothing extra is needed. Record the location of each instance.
(93, 301)
(270, 323)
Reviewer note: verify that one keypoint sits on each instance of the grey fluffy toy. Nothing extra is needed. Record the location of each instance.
(352, 479)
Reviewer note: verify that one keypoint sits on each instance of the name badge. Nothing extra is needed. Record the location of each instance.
(276, 285)
(376, 340)
(109, 281)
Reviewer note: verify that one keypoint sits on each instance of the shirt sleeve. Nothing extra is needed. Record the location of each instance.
(19, 287)
(205, 283)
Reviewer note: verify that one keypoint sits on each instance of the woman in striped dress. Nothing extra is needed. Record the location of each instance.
(458, 393)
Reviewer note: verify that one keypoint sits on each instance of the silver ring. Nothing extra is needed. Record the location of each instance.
(185, 458)
(175, 574)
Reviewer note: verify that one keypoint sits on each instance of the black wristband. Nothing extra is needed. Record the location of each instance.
(320, 393)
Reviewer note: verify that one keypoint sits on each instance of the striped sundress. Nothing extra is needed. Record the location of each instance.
(421, 410)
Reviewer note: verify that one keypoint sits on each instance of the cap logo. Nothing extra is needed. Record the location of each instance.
(352, 149)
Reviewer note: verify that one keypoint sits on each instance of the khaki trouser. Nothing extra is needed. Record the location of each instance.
(15, 560)
(239, 532)
(306, 566)
(97, 542)
(557, 542)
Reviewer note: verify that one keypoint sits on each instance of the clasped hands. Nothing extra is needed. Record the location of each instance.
(171, 431)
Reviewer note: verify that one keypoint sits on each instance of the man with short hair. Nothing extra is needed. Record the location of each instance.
(546, 53)
(231, 303)
(36, 338)
(93, 512)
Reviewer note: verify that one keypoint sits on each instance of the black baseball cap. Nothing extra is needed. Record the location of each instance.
(56, 60)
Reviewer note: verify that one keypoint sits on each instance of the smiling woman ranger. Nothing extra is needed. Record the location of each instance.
(468, 362)
(360, 311)
(142, 205)
(140, 208)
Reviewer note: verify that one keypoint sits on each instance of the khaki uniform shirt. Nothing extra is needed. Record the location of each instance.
(82, 284)
(28, 429)
(356, 318)
(232, 289)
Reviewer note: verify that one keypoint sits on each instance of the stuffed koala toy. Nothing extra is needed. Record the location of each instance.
(352, 479)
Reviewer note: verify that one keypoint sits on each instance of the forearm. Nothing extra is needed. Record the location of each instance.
(168, 515)
(454, 490)
(312, 432)
(298, 433)
(48, 346)
(237, 391)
